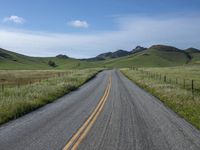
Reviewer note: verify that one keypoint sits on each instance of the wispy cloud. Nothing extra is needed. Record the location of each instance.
(14, 19)
(182, 31)
(78, 23)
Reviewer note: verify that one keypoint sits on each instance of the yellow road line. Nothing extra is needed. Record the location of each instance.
(84, 129)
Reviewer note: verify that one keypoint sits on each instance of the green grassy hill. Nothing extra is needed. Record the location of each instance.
(195, 55)
(11, 60)
(155, 56)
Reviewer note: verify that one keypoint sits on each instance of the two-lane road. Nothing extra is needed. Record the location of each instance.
(107, 113)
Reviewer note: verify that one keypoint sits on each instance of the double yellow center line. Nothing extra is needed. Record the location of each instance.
(78, 137)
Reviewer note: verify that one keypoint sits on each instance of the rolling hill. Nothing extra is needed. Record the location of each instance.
(11, 60)
(155, 56)
(195, 55)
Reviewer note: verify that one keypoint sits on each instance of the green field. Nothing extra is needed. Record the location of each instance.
(179, 98)
(19, 98)
(10, 78)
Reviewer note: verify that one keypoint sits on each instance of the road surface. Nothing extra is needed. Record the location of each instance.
(107, 113)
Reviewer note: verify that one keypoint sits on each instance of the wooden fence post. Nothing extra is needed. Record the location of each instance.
(165, 79)
(192, 86)
(18, 84)
(2, 87)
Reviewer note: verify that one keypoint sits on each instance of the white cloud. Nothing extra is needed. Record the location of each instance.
(181, 32)
(14, 19)
(78, 24)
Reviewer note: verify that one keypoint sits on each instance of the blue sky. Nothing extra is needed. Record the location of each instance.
(86, 28)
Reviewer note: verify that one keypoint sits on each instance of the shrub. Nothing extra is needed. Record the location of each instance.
(52, 63)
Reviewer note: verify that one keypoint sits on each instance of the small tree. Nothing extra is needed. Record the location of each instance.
(52, 63)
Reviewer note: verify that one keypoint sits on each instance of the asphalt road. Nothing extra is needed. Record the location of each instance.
(131, 119)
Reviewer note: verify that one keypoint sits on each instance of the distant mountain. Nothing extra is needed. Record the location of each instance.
(110, 55)
(116, 54)
(138, 49)
(62, 56)
(104, 55)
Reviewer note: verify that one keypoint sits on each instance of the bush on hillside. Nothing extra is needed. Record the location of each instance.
(52, 63)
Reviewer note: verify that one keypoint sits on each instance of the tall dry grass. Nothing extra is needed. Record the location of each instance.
(16, 101)
(182, 101)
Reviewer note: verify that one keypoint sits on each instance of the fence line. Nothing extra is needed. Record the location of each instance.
(187, 84)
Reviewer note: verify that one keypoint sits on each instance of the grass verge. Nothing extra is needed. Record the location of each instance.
(17, 101)
(180, 100)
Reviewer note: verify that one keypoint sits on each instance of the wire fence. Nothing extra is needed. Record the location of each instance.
(191, 85)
